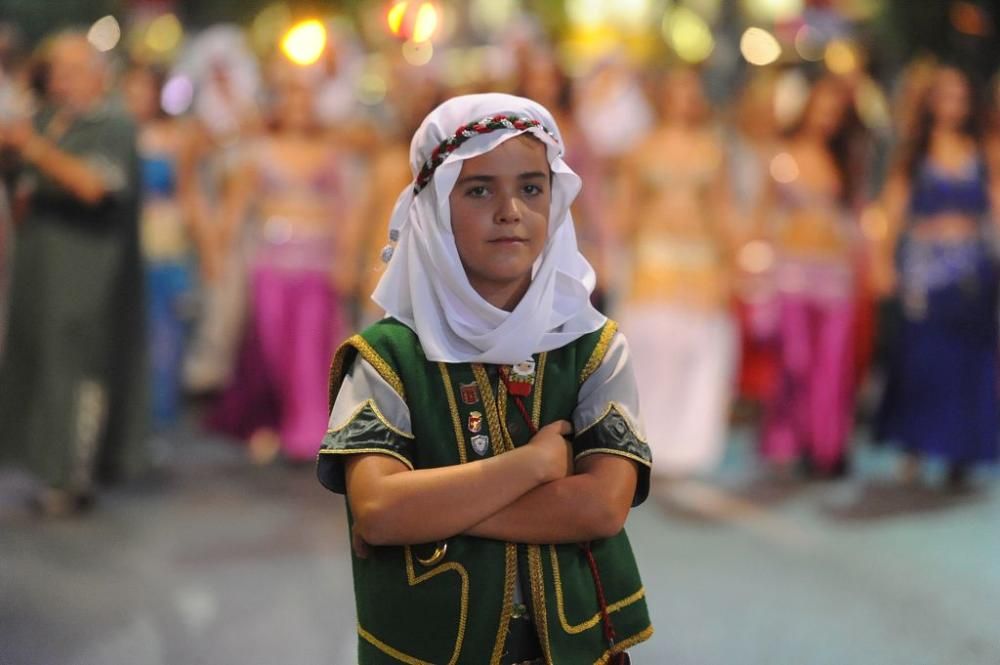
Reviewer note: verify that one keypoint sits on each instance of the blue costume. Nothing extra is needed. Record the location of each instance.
(942, 393)
(169, 282)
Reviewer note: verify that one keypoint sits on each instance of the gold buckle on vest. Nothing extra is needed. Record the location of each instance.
(437, 556)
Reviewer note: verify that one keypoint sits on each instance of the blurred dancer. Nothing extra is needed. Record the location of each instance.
(165, 243)
(544, 81)
(412, 94)
(941, 398)
(752, 144)
(303, 191)
(809, 213)
(677, 309)
(226, 119)
(73, 372)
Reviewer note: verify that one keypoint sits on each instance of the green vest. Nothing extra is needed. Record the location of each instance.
(416, 606)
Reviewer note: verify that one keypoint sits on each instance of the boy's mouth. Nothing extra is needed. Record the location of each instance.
(508, 240)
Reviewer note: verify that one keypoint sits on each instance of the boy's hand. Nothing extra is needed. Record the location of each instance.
(554, 453)
(361, 548)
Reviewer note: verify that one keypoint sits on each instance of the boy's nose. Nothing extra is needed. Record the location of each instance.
(509, 211)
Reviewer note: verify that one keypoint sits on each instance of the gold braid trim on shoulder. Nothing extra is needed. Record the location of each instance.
(601, 350)
(627, 643)
(383, 368)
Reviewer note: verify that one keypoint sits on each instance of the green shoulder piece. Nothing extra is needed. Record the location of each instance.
(385, 345)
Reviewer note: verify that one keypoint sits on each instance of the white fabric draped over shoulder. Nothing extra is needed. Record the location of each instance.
(425, 285)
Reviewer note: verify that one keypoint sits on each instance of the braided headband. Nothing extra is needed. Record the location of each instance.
(466, 132)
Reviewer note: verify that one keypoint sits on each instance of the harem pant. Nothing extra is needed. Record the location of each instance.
(810, 412)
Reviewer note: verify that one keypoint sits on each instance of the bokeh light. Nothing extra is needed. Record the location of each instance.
(492, 15)
(688, 34)
(756, 257)
(413, 21)
(164, 34)
(809, 43)
(759, 47)
(371, 88)
(105, 33)
(710, 10)
(177, 95)
(425, 24)
(784, 168)
(305, 42)
(269, 25)
(586, 12)
(791, 92)
(418, 54)
(773, 10)
(840, 57)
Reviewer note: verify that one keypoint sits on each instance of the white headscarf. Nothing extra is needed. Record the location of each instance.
(425, 285)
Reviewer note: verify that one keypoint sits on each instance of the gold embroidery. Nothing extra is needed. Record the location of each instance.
(413, 580)
(386, 649)
(540, 615)
(381, 366)
(592, 621)
(378, 414)
(497, 435)
(536, 409)
(597, 357)
(490, 405)
(358, 343)
(360, 451)
(509, 580)
(627, 643)
(508, 440)
(618, 408)
(456, 420)
(336, 373)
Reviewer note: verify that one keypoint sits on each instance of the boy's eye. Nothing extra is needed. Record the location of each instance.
(533, 190)
(477, 192)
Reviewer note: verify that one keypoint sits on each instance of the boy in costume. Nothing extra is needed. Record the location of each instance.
(487, 433)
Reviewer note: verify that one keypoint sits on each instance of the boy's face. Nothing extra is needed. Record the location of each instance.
(500, 217)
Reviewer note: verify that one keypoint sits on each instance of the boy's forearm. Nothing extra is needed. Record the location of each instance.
(433, 504)
(586, 506)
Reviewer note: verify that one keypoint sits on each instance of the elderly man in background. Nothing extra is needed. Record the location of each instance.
(72, 377)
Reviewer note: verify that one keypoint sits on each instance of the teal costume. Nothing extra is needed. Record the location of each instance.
(453, 603)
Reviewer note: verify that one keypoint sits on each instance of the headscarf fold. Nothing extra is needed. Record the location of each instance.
(425, 285)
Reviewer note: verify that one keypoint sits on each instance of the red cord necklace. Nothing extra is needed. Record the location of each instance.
(610, 636)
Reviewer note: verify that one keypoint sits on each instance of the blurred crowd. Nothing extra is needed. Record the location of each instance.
(803, 252)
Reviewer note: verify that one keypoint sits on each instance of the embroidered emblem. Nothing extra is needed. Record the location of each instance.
(469, 392)
(480, 443)
(475, 422)
(525, 368)
(521, 378)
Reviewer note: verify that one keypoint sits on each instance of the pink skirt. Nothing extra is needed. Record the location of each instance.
(295, 322)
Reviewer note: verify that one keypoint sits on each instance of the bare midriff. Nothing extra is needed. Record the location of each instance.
(946, 228)
(814, 232)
